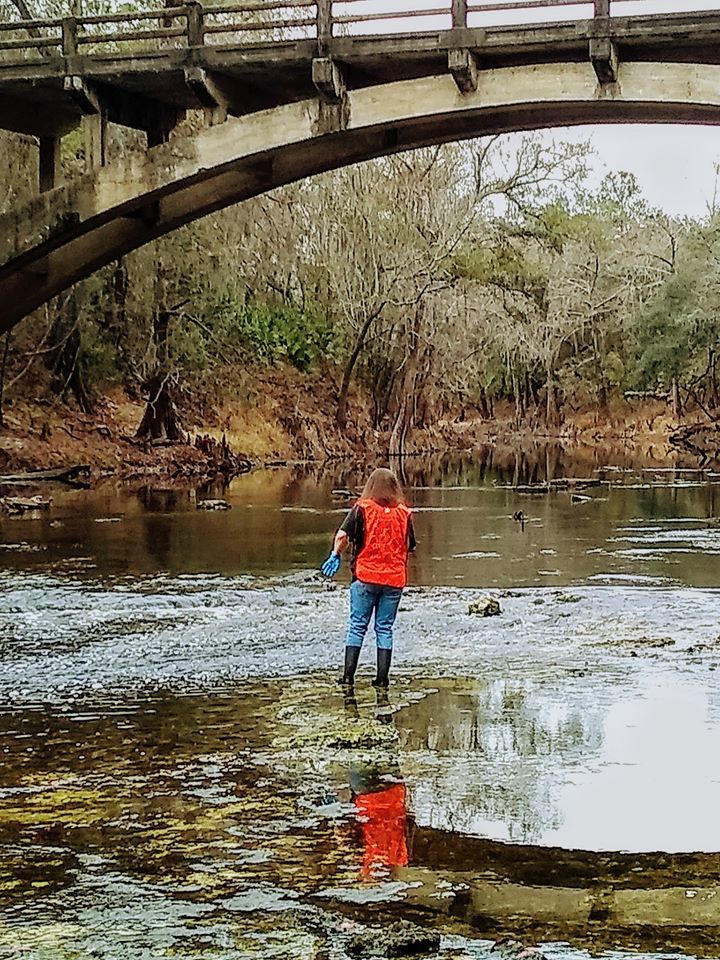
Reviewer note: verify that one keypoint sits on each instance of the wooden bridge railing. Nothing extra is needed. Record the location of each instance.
(264, 22)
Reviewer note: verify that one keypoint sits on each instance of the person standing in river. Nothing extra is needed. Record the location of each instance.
(380, 531)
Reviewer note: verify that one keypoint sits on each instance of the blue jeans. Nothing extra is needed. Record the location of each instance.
(364, 598)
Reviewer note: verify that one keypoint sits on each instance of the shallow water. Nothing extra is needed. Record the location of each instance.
(168, 788)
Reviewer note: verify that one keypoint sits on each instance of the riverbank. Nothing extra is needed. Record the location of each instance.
(287, 416)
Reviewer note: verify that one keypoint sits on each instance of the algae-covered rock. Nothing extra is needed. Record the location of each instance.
(509, 949)
(567, 598)
(399, 939)
(485, 607)
(348, 732)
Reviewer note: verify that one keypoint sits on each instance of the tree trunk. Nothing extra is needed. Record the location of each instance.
(3, 365)
(160, 420)
(712, 379)
(552, 408)
(341, 412)
(484, 408)
(516, 398)
(119, 295)
(405, 416)
(602, 385)
(396, 447)
(676, 404)
(64, 356)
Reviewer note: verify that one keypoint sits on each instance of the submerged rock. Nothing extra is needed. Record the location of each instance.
(485, 607)
(399, 939)
(212, 505)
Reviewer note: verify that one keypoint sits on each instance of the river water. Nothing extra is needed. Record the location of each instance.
(182, 777)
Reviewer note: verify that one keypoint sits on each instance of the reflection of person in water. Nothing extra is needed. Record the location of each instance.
(378, 793)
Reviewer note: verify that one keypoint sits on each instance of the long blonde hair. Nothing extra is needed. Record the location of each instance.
(384, 488)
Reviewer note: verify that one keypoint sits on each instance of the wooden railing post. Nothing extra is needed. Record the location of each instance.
(195, 23)
(459, 14)
(69, 37)
(324, 27)
(603, 51)
(602, 8)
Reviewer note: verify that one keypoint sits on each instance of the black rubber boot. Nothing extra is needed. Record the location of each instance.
(383, 668)
(352, 655)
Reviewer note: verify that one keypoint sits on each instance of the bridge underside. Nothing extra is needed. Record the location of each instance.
(66, 234)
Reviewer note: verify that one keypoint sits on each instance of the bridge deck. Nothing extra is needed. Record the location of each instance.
(135, 83)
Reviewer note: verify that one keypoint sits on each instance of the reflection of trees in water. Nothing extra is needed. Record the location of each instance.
(214, 488)
(497, 752)
(527, 463)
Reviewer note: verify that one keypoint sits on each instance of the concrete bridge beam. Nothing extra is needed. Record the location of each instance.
(328, 79)
(604, 58)
(95, 138)
(465, 69)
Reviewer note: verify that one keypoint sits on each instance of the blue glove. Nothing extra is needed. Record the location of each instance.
(331, 565)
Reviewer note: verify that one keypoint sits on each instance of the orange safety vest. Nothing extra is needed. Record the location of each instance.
(383, 558)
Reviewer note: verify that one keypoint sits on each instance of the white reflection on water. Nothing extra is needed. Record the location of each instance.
(656, 783)
(630, 763)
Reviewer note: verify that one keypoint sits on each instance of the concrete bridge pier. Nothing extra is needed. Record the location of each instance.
(95, 135)
(49, 167)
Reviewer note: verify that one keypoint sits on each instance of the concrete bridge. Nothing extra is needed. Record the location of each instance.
(290, 90)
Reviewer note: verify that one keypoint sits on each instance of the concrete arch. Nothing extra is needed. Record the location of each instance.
(65, 235)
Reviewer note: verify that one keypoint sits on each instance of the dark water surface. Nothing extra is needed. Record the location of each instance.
(177, 778)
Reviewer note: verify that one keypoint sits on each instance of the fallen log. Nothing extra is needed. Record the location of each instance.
(19, 505)
(575, 483)
(61, 474)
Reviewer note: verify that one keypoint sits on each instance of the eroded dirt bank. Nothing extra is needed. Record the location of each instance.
(288, 416)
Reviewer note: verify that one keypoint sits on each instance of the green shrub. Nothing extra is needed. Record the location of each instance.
(274, 332)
